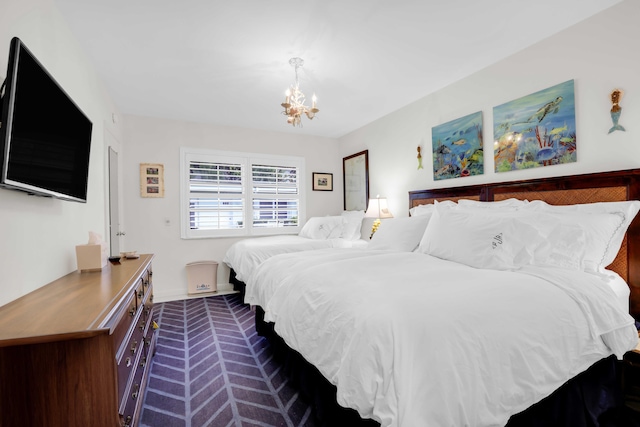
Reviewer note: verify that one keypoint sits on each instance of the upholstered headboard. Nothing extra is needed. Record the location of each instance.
(566, 190)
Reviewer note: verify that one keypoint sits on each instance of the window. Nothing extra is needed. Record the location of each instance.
(236, 194)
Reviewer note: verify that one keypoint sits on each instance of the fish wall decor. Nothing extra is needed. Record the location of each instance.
(536, 130)
(458, 148)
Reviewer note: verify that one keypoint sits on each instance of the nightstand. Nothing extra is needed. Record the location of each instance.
(631, 379)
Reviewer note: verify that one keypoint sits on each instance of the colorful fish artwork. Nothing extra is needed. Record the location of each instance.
(458, 148)
(536, 130)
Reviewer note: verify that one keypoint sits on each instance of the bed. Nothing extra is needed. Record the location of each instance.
(409, 338)
(338, 231)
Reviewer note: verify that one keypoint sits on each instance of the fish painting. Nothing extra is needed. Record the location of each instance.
(458, 147)
(536, 130)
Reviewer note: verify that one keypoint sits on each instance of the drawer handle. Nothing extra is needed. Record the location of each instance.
(134, 346)
(127, 422)
(145, 282)
(134, 395)
(140, 294)
(127, 362)
(132, 311)
(142, 325)
(143, 361)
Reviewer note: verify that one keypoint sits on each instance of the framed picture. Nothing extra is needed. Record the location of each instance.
(322, 181)
(457, 148)
(536, 130)
(355, 170)
(151, 180)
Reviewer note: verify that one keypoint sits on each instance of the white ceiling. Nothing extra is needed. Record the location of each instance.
(227, 62)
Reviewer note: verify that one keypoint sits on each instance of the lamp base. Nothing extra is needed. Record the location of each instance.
(374, 228)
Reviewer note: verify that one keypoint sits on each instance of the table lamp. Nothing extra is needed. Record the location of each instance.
(377, 209)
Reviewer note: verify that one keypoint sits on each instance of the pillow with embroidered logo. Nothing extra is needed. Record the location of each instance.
(323, 227)
(479, 239)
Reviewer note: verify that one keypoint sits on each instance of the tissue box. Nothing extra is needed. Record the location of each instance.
(90, 258)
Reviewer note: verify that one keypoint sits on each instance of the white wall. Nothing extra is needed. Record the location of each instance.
(39, 234)
(600, 54)
(153, 224)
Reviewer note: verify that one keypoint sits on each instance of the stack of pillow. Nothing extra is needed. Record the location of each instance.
(511, 233)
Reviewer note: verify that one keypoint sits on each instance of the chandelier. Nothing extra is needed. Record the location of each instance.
(293, 104)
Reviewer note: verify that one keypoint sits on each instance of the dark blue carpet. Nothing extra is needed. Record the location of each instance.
(212, 369)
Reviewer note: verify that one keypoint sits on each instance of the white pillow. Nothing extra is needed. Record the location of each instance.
(599, 230)
(422, 210)
(399, 234)
(353, 224)
(508, 203)
(480, 240)
(626, 209)
(450, 204)
(322, 227)
(576, 241)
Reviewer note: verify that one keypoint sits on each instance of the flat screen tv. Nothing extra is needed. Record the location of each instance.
(45, 138)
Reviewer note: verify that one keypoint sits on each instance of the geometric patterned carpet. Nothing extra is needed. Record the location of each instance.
(212, 369)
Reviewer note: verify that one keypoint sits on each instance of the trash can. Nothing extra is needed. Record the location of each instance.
(202, 276)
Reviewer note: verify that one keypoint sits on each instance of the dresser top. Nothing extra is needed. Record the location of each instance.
(80, 304)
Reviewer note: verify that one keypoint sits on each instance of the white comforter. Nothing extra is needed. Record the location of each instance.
(411, 340)
(245, 255)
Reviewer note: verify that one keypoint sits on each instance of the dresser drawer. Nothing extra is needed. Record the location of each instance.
(140, 289)
(130, 354)
(148, 304)
(132, 400)
(127, 317)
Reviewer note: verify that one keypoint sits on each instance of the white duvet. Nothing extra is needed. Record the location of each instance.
(412, 340)
(245, 255)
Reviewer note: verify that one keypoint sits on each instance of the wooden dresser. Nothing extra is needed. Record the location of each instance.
(75, 353)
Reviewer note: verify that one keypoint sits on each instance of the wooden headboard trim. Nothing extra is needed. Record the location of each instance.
(606, 186)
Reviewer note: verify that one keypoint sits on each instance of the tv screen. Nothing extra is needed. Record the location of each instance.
(44, 137)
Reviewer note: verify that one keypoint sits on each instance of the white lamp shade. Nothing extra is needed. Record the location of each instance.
(378, 208)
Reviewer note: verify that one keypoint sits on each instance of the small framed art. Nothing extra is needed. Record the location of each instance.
(151, 180)
(322, 181)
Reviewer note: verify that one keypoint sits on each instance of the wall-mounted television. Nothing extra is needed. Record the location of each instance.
(45, 138)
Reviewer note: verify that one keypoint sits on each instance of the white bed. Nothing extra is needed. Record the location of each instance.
(492, 312)
(339, 231)
(410, 340)
(245, 255)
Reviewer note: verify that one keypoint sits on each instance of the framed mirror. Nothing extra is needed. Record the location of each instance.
(355, 174)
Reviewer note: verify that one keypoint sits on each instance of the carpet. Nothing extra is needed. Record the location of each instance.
(212, 369)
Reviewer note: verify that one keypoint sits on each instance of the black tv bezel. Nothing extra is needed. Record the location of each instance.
(6, 118)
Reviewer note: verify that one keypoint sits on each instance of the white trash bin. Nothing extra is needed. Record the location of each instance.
(202, 276)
